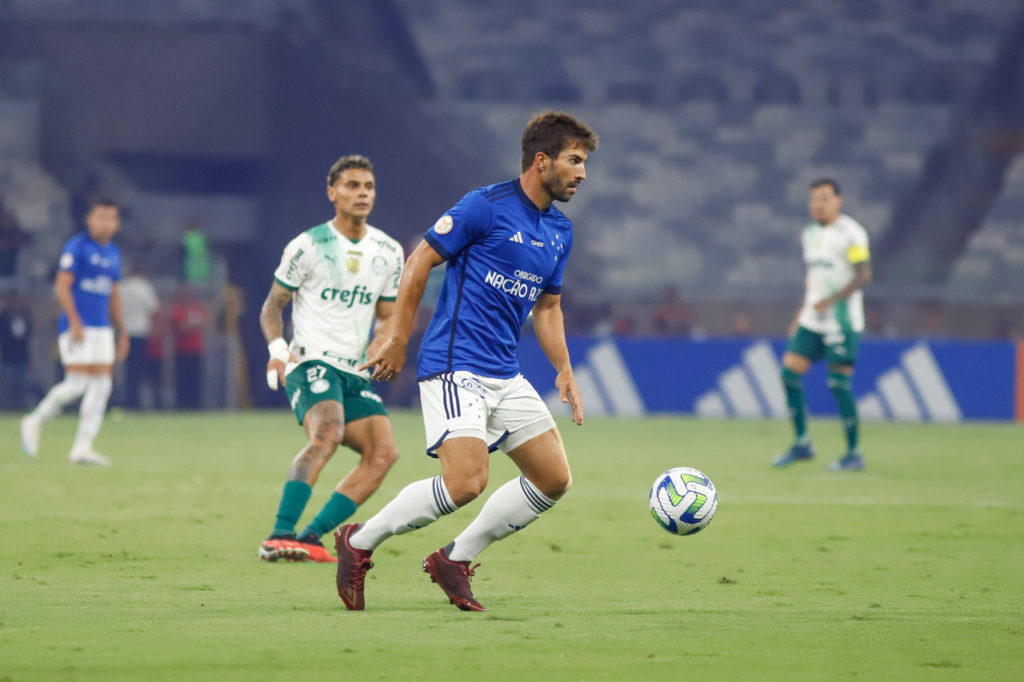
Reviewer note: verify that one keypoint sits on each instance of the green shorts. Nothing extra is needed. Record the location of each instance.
(314, 381)
(840, 349)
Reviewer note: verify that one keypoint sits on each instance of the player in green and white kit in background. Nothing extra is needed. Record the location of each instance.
(830, 321)
(342, 279)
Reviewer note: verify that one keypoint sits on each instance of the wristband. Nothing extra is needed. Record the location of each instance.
(278, 349)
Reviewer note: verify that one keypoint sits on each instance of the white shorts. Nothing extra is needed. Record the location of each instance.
(504, 413)
(97, 348)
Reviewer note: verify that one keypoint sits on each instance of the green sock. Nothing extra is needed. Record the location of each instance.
(293, 502)
(794, 385)
(337, 509)
(841, 386)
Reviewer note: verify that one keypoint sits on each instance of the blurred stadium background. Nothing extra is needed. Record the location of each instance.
(214, 121)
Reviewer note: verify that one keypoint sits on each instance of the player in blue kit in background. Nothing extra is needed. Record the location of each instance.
(86, 287)
(505, 247)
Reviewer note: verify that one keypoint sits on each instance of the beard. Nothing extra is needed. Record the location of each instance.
(558, 189)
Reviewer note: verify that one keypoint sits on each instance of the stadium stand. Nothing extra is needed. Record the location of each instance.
(715, 116)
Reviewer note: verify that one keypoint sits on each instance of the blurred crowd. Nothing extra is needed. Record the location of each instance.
(185, 323)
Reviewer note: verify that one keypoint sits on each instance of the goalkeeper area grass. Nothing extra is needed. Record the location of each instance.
(910, 570)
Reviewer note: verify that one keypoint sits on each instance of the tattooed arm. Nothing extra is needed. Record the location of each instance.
(272, 324)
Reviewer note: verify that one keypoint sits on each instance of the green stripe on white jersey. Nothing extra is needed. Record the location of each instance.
(337, 284)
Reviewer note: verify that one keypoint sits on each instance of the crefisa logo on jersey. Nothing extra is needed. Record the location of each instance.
(349, 297)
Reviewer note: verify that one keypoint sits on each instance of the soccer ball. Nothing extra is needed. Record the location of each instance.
(683, 501)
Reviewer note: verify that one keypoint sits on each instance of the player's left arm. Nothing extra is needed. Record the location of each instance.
(385, 316)
(859, 256)
(117, 319)
(549, 326)
(862, 276)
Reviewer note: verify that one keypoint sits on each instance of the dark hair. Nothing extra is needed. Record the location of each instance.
(551, 132)
(820, 182)
(346, 162)
(101, 200)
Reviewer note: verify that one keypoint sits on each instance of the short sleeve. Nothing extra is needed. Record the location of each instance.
(858, 250)
(390, 292)
(463, 224)
(117, 274)
(69, 257)
(295, 263)
(554, 284)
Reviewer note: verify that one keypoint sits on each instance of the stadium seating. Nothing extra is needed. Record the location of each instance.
(715, 116)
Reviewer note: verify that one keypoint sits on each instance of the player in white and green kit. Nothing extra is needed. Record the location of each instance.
(830, 320)
(342, 279)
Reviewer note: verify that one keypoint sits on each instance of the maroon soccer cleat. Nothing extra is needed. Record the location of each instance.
(352, 567)
(453, 577)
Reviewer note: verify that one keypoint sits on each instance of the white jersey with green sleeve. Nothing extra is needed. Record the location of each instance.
(336, 284)
(831, 252)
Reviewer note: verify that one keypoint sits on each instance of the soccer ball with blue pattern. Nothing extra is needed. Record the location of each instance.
(683, 501)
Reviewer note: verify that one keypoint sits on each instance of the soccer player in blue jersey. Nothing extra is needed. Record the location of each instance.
(506, 247)
(87, 290)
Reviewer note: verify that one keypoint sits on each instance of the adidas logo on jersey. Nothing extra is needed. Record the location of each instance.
(517, 238)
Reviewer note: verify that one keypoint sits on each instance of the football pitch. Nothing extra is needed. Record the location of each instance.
(910, 570)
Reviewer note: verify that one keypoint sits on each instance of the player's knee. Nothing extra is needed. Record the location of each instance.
(467, 487)
(327, 436)
(318, 452)
(381, 458)
(558, 484)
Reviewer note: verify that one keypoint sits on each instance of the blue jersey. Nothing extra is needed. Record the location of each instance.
(503, 253)
(96, 267)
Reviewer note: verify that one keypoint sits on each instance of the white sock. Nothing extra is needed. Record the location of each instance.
(512, 507)
(70, 389)
(417, 505)
(90, 414)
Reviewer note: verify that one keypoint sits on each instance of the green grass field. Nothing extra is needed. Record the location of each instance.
(911, 570)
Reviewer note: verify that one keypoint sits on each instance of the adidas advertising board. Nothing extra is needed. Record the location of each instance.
(899, 380)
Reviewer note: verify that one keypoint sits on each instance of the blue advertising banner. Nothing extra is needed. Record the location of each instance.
(906, 380)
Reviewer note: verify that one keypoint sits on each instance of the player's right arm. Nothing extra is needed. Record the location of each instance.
(62, 289)
(296, 262)
(272, 324)
(390, 356)
(454, 231)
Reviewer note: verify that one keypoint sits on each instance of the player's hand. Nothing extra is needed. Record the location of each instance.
(823, 305)
(279, 351)
(123, 347)
(387, 362)
(569, 392)
(77, 330)
(275, 373)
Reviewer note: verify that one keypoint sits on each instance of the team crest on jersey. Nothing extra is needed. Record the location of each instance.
(443, 225)
(353, 261)
(379, 265)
